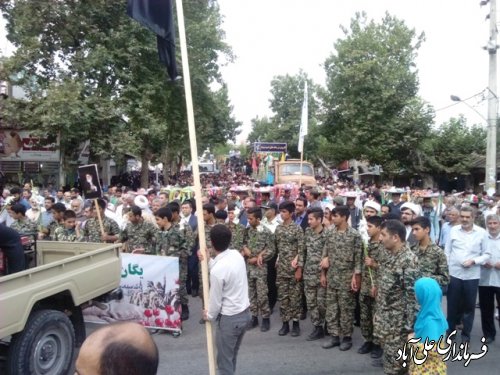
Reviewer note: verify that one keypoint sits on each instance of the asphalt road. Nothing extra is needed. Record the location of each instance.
(267, 353)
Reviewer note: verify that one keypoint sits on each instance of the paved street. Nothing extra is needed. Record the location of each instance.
(267, 353)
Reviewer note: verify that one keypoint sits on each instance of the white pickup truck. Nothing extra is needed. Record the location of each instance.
(41, 321)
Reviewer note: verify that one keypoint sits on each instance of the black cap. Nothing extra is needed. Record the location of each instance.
(274, 206)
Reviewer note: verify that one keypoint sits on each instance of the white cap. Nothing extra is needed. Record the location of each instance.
(415, 208)
(372, 204)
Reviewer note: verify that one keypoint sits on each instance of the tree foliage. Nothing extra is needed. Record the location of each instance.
(372, 108)
(92, 73)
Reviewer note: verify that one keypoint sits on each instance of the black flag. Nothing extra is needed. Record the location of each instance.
(157, 16)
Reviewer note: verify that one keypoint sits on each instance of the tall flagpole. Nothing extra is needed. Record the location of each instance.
(303, 131)
(196, 176)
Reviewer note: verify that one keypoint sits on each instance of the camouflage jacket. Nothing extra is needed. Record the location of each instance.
(259, 240)
(238, 234)
(396, 303)
(343, 250)
(63, 234)
(52, 230)
(376, 251)
(189, 236)
(208, 242)
(171, 242)
(140, 235)
(432, 262)
(289, 241)
(92, 230)
(25, 226)
(314, 243)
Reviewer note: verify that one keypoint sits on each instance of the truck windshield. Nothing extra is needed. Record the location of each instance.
(294, 169)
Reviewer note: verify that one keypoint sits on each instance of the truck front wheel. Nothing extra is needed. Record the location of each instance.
(45, 347)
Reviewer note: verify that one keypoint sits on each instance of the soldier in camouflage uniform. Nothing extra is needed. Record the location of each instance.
(138, 233)
(92, 230)
(371, 260)
(70, 231)
(342, 264)
(258, 249)
(22, 224)
(314, 243)
(209, 219)
(396, 304)
(171, 242)
(432, 260)
(237, 230)
(58, 209)
(289, 239)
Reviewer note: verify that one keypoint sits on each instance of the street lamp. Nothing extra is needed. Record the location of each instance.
(457, 99)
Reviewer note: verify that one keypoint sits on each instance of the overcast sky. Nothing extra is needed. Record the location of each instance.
(276, 37)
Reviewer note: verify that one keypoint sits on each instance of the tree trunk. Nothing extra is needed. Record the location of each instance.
(145, 158)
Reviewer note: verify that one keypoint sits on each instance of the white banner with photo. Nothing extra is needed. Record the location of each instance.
(148, 294)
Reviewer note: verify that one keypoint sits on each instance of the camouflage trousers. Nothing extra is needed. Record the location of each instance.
(340, 305)
(391, 345)
(316, 302)
(367, 304)
(183, 270)
(289, 297)
(257, 292)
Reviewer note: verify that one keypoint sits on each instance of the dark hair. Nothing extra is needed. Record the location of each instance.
(421, 221)
(342, 211)
(375, 220)
(256, 212)
(50, 199)
(316, 212)
(18, 208)
(287, 206)
(136, 210)
(15, 190)
(315, 194)
(221, 214)
(187, 201)
(122, 358)
(231, 207)
(303, 200)
(75, 190)
(101, 203)
(69, 214)
(163, 213)
(174, 206)
(395, 227)
(386, 205)
(220, 235)
(210, 208)
(59, 207)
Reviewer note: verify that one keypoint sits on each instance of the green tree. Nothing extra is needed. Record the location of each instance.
(93, 73)
(287, 96)
(372, 108)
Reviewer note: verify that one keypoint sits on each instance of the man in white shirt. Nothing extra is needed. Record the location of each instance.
(229, 303)
(489, 284)
(453, 219)
(466, 251)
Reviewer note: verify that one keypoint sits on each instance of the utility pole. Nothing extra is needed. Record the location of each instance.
(491, 138)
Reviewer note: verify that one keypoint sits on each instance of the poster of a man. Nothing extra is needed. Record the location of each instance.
(89, 180)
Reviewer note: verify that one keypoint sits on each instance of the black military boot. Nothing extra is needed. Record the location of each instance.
(284, 330)
(346, 343)
(366, 347)
(316, 334)
(376, 351)
(331, 343)
(295, 329)
(264, 327)
(185, 312)
(253, 323)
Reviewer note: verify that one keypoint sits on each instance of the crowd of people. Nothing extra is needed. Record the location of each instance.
(346, 255)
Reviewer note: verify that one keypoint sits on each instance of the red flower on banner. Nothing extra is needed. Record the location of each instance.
(159, 322)
(156, 312)
(177, 323)
(169, 323)
(146, 323)
(148, 313)
(169, 309)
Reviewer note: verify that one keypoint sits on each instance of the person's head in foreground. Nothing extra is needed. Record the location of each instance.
(431, 322)
(220, 235)
(118, 349)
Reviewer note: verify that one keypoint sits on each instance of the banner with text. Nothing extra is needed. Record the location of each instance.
(148, 294)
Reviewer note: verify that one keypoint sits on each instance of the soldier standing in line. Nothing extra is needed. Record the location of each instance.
(341, 275)
(21, 223)
(171, 242)
(314, 243)
(396, 303)
(138, 233)
(237, 230)
(209, 219)
(258, 249)
(432, 260)
(370, 263)
(289, 239)
(70, 232)
(92, 230)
